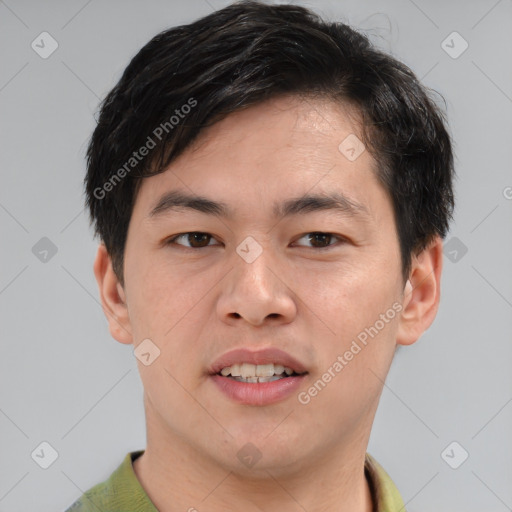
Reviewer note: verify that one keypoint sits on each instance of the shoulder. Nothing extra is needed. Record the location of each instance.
(385, 494)
(114, 493)
(93, 500)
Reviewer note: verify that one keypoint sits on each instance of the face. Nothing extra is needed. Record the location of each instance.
(321, 284)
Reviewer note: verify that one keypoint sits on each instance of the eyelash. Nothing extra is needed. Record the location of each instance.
(172, 241)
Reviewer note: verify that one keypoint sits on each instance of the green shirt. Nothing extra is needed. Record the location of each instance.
(122, 491)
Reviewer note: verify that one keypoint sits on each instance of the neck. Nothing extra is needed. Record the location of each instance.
(176, 476)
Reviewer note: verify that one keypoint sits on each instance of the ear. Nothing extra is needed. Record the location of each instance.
(113, 299)
(421, 294)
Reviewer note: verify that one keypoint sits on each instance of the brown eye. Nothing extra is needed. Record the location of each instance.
(196, 239)
(321, 240)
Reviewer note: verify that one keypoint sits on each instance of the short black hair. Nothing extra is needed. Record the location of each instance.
(191, 76)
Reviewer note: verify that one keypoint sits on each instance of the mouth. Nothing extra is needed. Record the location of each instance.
(260, 377)
(252, 373)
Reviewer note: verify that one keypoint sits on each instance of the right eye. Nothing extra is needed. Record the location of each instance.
(193, 237)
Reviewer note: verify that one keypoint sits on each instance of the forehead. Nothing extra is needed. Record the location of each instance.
(282, 122)
(283, 148)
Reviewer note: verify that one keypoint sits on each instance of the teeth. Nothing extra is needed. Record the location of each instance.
(258, 379)
(262, 370)
(235, 370)
(278, 369)
(251, 371)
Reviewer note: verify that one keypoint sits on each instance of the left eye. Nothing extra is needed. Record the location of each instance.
(197, 239)
(318, 236)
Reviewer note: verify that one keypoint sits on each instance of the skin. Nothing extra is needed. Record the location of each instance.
(309, 302)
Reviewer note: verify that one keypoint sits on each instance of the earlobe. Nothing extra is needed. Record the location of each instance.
(113, 298)
(421, 294)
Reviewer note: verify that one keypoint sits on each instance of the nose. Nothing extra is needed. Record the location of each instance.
(257, 292)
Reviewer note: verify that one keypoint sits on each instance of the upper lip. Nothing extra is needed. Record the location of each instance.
(257, 356)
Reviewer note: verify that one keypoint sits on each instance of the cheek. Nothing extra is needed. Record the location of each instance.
(362, 326)
(152, 285)
(349, 380)
(152, 297)
(168, 308)
(347, 299)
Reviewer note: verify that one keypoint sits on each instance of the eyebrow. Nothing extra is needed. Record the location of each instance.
(336, 201)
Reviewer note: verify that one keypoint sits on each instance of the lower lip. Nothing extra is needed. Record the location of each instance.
(258, 393)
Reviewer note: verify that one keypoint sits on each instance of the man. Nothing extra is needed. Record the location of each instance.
(271, 194)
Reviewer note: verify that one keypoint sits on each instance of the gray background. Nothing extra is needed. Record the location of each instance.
(65, 381)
